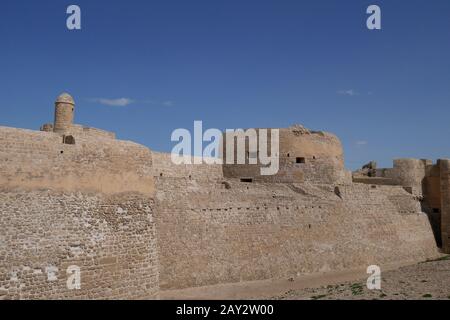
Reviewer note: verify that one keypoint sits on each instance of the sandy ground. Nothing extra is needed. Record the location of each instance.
(427, 280)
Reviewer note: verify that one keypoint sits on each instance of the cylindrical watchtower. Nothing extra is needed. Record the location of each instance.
(64, 109)
(411, 173)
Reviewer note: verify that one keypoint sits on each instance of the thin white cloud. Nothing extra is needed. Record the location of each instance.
(361, 143)
(121, 102)
(167, 103)
(350, 92)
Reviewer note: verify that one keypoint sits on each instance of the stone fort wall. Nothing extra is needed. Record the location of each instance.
(80, 130)
(444, 165)
(135, 223)
(210, 233)
(422, 178)
(88, 204)
(304, 156)
(163, 167)
(112, 239)
(40, 160)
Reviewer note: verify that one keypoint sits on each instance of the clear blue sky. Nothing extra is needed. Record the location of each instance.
(236, 63)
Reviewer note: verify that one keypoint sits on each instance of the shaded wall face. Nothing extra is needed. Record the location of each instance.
(436, 191)
(445, 204)
(309, 157)
(432, 188)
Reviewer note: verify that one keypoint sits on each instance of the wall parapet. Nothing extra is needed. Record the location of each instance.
(40, 160)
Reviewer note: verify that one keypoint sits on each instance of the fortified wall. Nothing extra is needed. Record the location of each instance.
(420, 177)
(304, 156)
(135, 223)
(70, 199)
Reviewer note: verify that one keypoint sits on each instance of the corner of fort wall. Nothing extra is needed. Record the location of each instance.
(444, 165)
(88, 204)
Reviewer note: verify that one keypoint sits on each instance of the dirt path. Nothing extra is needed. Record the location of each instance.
(294, 288)
(428, 280)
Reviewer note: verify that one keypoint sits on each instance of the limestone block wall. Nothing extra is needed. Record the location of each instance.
(445, 204)
(304, 156)
(163, 167)
(80, 130)
(40, 160)
(47, 127)
(410, 173)
(423, 179)
(210, 234)
(134, 222)
(431, 187)
(112, 239)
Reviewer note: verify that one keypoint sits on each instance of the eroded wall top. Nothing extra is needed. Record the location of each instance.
(304, 156)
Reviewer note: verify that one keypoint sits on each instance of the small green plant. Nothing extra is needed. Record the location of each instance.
(320, 296)
(443, 258)
(427, 295)
(357, 289)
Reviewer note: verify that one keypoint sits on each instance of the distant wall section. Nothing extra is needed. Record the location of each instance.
(304, 156)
